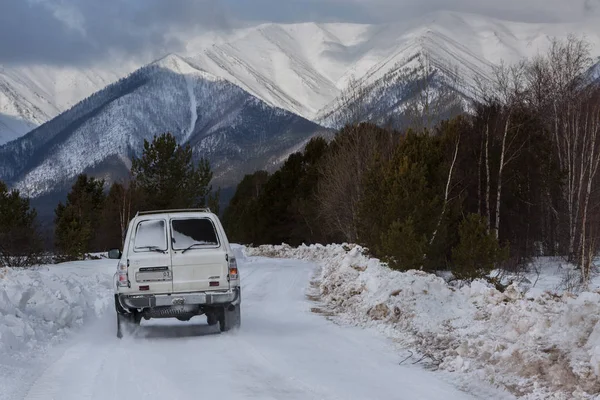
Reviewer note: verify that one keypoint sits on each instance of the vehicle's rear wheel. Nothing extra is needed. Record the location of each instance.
(230, 319)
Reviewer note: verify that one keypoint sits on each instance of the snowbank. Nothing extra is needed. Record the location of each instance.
(40, 306)
(239, 251)
(537, 345)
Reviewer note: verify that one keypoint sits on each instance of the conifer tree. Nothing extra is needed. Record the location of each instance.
(20, 244)
(478, 250)
(77, 221)
(168, 177)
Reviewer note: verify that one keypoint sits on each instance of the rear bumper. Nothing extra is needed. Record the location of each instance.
(179, 299)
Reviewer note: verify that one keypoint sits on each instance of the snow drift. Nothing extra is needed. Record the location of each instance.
(40, 306)
(537, 344)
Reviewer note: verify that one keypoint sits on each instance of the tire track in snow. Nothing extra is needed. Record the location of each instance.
(274, 375)
(75, 359)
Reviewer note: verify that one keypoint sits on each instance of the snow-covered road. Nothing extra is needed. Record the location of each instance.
(282, 351)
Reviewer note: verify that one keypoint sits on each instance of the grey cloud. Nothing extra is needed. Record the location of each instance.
(591, 5)
(369, 11)
(516, 10)
(83, 31)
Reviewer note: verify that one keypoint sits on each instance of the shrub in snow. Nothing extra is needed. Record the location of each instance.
(477, 251)
(545, 345)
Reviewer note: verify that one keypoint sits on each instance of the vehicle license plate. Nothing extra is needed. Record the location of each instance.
(153, 276)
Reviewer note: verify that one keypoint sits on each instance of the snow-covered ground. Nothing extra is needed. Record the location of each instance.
(58, 342)
(552, 274)
(538, 342)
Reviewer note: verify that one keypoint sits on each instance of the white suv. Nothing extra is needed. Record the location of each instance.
(176, 264)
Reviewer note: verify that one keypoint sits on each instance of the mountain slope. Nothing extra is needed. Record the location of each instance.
(305, 67)
(236, 131)
(32, 95)
(302, 68)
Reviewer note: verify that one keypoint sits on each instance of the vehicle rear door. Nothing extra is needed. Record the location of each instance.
(198, 257)
(149, 259)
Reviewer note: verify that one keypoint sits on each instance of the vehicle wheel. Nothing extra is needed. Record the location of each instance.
(230, 319)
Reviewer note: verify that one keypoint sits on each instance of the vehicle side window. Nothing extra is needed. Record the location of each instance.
(151, 235)
(193, 232)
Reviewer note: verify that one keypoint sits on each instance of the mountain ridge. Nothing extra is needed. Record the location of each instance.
(301, 67)
(234, 130)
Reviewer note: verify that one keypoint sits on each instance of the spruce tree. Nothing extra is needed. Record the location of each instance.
(77, 221)
(242, 220)
(168, 177)
(110, 230)
(20, 244)
(478, 251)
(402, 202)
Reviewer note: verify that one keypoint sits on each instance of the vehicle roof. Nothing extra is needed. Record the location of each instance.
(176, 213)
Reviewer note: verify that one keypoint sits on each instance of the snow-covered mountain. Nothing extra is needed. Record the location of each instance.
(305, 67)
(32, 95)
(236, 131)
(302, 68)
(227, 92)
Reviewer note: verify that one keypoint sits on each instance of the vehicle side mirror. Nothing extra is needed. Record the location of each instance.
(114, 254)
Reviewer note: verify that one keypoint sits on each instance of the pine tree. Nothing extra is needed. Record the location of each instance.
(168, 177)
(241, 218)
(402, 203)
(271, 209)
(478, 250)
(116, 214)
(78, 220)
(20, 244)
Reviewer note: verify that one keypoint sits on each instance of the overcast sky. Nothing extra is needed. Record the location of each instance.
(65, 32)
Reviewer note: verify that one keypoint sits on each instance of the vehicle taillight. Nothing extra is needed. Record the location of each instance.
(122, 275)
(233, 269)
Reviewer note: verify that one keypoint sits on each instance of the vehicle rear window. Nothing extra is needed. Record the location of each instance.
(193, 231)
(151, 235)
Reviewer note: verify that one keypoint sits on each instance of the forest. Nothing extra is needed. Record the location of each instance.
(511, 177)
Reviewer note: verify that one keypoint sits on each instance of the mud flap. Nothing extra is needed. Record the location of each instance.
(126, 323)
(230, 318)
(119, 327)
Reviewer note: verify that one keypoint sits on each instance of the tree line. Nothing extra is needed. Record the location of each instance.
(514, 178)
(95, 216)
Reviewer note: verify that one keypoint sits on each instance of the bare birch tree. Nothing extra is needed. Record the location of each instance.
(446, 192)
(557, 86)
(340, 189)
(509, 88)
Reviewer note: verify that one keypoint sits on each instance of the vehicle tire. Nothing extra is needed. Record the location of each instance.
(230, 319)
